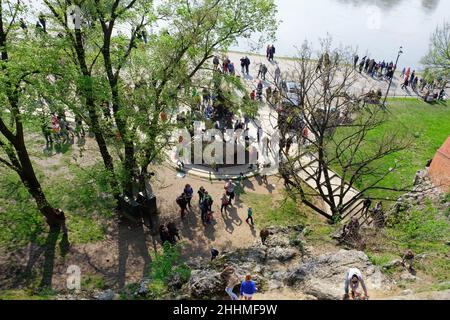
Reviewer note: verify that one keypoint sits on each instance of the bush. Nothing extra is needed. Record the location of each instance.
(420, 230)
(165, 267)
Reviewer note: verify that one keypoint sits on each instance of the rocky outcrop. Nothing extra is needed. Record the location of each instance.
(323, 276)
(279, 264)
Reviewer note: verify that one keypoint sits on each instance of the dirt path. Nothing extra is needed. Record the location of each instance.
(227, 231)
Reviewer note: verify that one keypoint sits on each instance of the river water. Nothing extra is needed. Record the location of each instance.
(375, 27)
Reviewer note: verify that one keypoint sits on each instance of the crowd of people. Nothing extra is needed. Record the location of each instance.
(59, 131)
(381, 70)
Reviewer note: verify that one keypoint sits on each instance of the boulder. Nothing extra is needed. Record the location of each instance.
(281, 254)
(206, 284)
(324, 276)
(106, 295)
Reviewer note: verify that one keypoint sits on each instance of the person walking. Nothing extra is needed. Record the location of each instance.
(214, 253)
(403, 72)
(361, 64)
(268, 49)
(271, 53)
(243, 62)
(277, 75)
(250, 216)
(189, 193)
(229, 188)
(247, 65)
(355, 61)
(201, 194)
(182, 203)
(412, 78)
(216, 63)
(248, 288)
(264, 234)
(225, 203)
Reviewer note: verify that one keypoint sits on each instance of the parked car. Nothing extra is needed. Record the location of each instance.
(290, 91)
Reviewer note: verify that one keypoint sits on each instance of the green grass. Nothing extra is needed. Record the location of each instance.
(78, 194)
(26, 295)
(268, 212)
(428, 126)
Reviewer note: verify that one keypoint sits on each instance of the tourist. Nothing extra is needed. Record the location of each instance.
(47, 132)
(63, 129)
(253, 95)
(441, 95)
(225, 203)
(405, 83)
(229, 276)
(259, 90)
(182, 203)
(407, 73)
(216, 63)
(269, 94)
(402, 75)
(214, 253)
(361, 64)
(353, 278)
(248, 288)
(231, 69)
(264, 234)
(208, 200)
(271, 53)
(366, 205)
(262, 71)
(268, 50)
(243, 63)
(408, 260)
(164, 234)
(250, 216)
(189, 193)
(277, 75)
(412, 78)
(229, 188)
(201, 194)
(174, 233)
(366, 66)
(355, 61)
(319, 64)
(247, 65)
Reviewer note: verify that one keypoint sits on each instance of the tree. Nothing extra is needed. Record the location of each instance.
(175, 58)
(340, 122)
(16, 70)
(437, 60)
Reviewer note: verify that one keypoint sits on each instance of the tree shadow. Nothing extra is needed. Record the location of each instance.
(49, 258)
(131, 236)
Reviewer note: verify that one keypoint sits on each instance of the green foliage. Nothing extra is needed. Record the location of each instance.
(89, 282)
(420, 230)
(168, 264)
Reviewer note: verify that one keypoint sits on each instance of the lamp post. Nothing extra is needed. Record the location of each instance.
(400, 51)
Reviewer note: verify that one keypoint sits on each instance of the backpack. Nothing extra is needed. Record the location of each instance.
(180, 201)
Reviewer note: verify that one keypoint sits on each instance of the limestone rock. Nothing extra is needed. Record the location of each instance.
(106, 295)
(324, 276)
(281, 254)
(205, 284)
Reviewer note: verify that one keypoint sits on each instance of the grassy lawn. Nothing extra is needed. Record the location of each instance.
(285, 211)
(427, 125)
